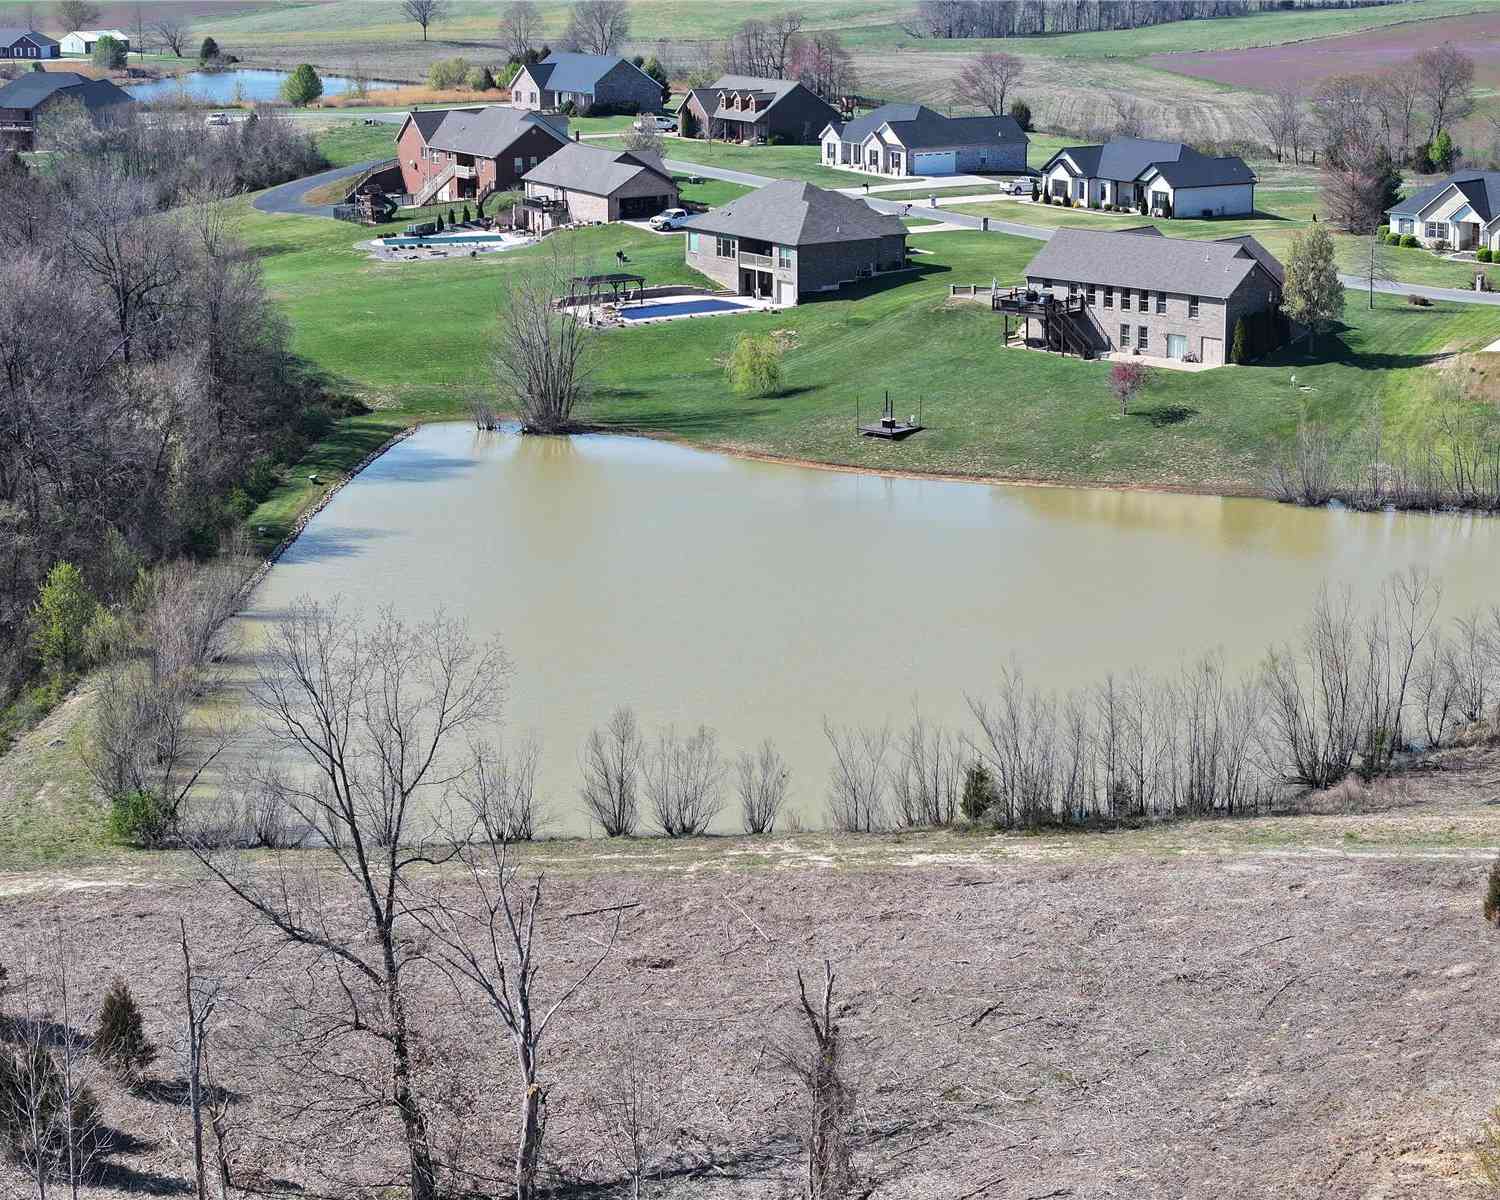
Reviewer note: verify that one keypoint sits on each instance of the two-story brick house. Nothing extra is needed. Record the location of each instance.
(470, 153)
(590, 185)
(1137, 292)
(791, 239)
(747, 108)
(586, 81)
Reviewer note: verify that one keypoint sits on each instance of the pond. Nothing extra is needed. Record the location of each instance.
(757, 597)
(239, 84)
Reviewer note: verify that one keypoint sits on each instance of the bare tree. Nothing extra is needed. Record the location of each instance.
(986, 80)
(634, 1113)
(520, 29)
(1376, 264)
(501, 917)
(858, 778)
(1397, 96)
(76, 14)
(643, 137)
(684, 780)
(599, 26)
(424, 12)
(200, 998)
(1279, 115)
(816, 1060)
(542, 358)
(175, 34)
(928, 778)
(822, 65)
(501, 785)
(761, 780)
(368, 710)
(1445, 79)
(1130, 117)
(611, 764)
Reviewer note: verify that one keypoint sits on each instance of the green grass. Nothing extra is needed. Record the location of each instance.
(47, 810)
(776, 162)
(413, 340)
(345, 142)
(711, 192)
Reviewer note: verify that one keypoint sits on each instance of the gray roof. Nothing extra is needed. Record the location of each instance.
(37, 87)
(1126, 159)
(918, 126)
(1159, 264)
(595, 170)
(792, 213)
(489, 132)
(9, 37)
(1263, 256)
(1480, 188)
(772, 90)
(567, 72)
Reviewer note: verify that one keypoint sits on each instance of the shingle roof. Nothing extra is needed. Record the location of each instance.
(9, 36)
(488, 132)
(567, 72)
(792, 213)
(1198, 170)
(36, 87)
(1480, 188)
(917, 126)
(1163, 264)
(96, 34)
(1126, 159)
(594, 170)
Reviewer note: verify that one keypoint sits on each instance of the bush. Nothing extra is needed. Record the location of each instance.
(980, 794)
(1484, 254)
(302, 86)
(448, 73)
(136, 819)
(62, 613)
(754, 365)
(1409, 241)
(261, 479)
(209, 51)
(480, 80)
(1239, 353)
(1020, 111)
(109, 53)
(1492, 894)
(34, 1119)
(121, 1042)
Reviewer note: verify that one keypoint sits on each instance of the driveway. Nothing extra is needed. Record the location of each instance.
(287, 197)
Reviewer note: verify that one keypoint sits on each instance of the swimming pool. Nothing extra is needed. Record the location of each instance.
(443, 239)
(646, 311)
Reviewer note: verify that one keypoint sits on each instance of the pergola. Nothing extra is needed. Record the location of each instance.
(593, 287)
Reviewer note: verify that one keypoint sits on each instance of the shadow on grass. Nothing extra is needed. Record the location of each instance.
(175, 1092)
(1166, 414)
(52, 1034)
(879, 283)
(702, 421)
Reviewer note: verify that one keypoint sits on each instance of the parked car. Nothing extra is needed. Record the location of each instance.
(218, 118)
(1020, 187)
(658, 122)
(669, 219)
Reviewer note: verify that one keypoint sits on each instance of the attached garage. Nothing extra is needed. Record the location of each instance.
(1213, 352)
(935, 162)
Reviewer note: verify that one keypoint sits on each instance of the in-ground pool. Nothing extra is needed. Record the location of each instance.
(682, 309)
(446, 239)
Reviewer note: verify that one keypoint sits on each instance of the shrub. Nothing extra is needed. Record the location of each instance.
(121, 1042)
(980, 794)
(1239, 352)
(1485, 254)
(481, 80)
(136, 819)
(109, 53)
(261, 479)
(209, 51)
(1020, 111)
(466, 214)
(302, 86)
(448, 73)
(1492, 894)
(62, 613)
(35, 1121)
(1409, 241)
(754, 365)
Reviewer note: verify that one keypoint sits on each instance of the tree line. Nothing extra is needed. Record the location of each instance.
(1029, 18)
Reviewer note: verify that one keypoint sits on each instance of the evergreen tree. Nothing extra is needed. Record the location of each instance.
(109, 53)
(121, 1041)
(1443, 152)
(302, 86)
(1021, 111)
(60, 619)
(1492, 894)
(1240, 352)
(979, 794)
(208, 51)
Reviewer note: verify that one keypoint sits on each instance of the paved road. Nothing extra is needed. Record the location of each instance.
(287, 198)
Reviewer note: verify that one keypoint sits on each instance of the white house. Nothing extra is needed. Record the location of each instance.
(1461, 212)
(81, 41)
(910, 139)
(1173, 180)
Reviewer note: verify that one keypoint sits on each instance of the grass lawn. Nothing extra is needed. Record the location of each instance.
(776, 162)
(344, 142)
(412, 339)
(711, 192)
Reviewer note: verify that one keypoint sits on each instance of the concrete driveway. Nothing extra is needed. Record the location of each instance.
(287, 197)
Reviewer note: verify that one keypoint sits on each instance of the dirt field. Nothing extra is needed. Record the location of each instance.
(1265, 67)
(1297, 1007)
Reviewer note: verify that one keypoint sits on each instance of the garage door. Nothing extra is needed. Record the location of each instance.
(945, 163)
(1213, 351)
(786, 292)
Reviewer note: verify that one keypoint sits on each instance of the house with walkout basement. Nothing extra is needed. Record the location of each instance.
(1164, 179)
(470, 153)
(791, 239)
(1461, 212)
(747, 108)
(26, 101)
(911, 139)
(1136, 292)
(588, 82)
(590, 185)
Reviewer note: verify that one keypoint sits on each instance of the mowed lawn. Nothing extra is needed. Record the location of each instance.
(413, 339)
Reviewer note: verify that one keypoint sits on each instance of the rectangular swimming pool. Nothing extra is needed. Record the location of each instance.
(646, 311)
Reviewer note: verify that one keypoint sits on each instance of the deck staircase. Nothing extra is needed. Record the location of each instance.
(485, 193)
(1067, 325)
(434, 185)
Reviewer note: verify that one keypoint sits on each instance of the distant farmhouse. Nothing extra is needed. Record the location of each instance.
(586, 185)
(1461, 212)
(83, 41)
(746, 108)
(910, 139)
(587, 82)
(25, 100)
(1137, 292)
(791, 239)
(468, 153)
(1174, 180)
(26, 43)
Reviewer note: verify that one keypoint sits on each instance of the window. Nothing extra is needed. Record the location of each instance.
(724, 247)
(1161, 302)
(692, 242)
(1088, 295)
(1124, 337)
(1072, 290)
(1143, 301)
(1109, 296)
(534, 161)
(520, 164)
(828, 151)
(1142, 336)
(1404, 225)
(1193, 306)
(1045, 285)
(1436, 231)
(784, 257)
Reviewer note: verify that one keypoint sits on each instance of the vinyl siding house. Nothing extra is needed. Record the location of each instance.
(471, 153)
(746, 108)
(1461, 212)
(26, 43)
(791, 239)
(587, 82)
(1173, 179)
(83, 41)
(589, 185)
(910, 139)
(1138, 292)
(24, 101)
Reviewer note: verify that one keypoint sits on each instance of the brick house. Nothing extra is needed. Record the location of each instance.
(589, 185)
(1173, 179)
(1461, 212)
(470, 153)
(746, 108)
(1137, 292)
(27, 43)
(587, 82)
(791, 239)
(25, 100)
(911, 139)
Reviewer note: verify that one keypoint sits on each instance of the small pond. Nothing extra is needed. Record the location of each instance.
(238, 84)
